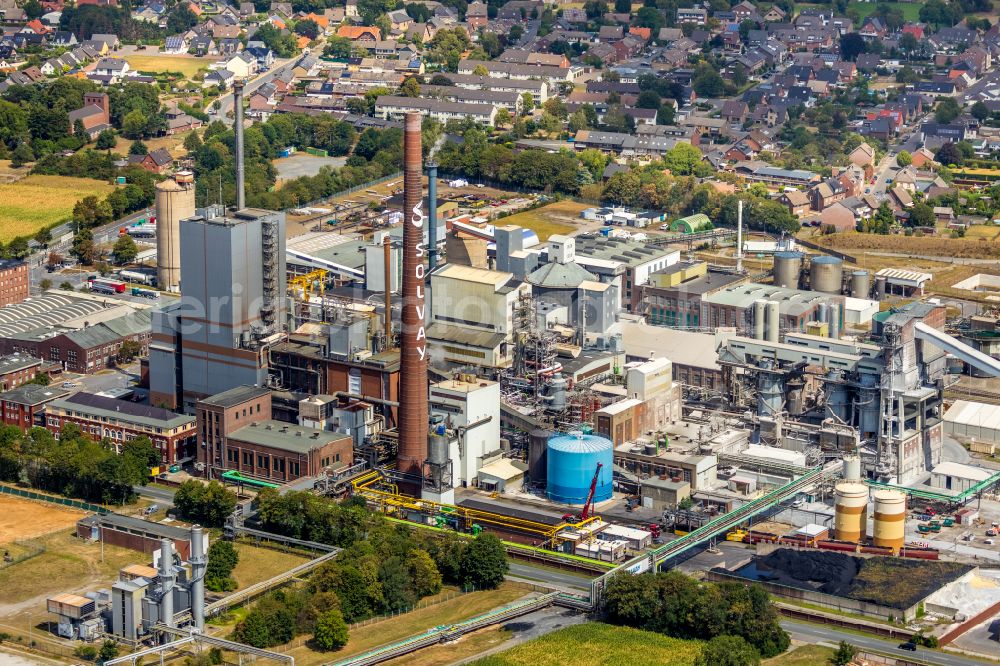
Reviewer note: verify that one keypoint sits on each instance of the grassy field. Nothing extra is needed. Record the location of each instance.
(931, 246)
(596, 644)
(807, 655)
(555, 218)
(188, 66)
(911, 10)
(40, 201)
(379, 633)
(258, 563)
(174, 144)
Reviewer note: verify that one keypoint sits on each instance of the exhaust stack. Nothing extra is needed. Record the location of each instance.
(413, 412)
(432, 203)
(199, 565)
(167, 582)
(739, 237)
(238, 121)
(387, 260)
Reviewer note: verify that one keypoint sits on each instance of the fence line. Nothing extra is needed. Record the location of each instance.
(52, 499)
(352, 189)
(32, 549)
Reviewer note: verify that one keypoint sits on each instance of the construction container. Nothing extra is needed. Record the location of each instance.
(571, 462)
(890, 519)
(826, 274)
(850, 511)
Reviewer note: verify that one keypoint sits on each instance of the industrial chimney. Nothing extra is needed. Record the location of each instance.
(199, 565)
(413, 411)
(167, 582)
(238, 122)
(432, 204)
(739, 237)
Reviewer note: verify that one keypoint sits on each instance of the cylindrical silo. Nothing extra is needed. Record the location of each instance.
(787, 267)
(537, 443)
(880, 287)
(826, 274)
(890, 519)
(850, 511)
(465, 250)
(571, 463)
(437, 447)
(823, 313)
(773, 321)
(174, 202)
(835, 317)
(759, 319)
(852, 467)
(861, 284)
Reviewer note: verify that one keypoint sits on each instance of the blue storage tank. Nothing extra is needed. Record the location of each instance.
(571, 461)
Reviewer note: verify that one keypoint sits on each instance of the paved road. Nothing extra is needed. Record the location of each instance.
(226, 101)
(552, 576)
(161, 496)
(813, 633)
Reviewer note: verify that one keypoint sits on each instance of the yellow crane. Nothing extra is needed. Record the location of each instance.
(307, 283)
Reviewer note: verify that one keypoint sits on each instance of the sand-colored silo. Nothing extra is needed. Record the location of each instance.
(465, 250)
(889, 525)
(850, 511)
(174, 202)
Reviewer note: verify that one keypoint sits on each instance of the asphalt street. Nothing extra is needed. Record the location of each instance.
(814, 633)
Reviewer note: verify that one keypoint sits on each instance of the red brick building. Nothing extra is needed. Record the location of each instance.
(282, 452)
(222, 414)
(17, 369)
(24, 407)
(120, 421)
(14, 281)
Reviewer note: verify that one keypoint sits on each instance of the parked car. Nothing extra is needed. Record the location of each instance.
(908, 645)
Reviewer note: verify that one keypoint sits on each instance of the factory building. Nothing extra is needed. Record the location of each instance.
(15, 281)
(222, 414)
(610, 258)
(692, 355)
(470, 407)
(673, 296)
(24, 406)
(17, 369)
(215, 337)
(173, 435)
(80, 332)
(733, 306)
(282, 452)
(471, 316)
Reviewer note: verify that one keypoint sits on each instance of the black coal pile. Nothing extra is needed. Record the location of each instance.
(830, 573)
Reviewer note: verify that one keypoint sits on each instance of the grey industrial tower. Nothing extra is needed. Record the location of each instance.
(232, 306)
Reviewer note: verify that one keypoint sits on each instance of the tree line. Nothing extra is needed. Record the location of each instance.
(75, 464)
(384, 567)
(680, 606)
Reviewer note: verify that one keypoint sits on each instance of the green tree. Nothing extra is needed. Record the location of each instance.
(222, 559)
(480, 70)
(331, 630)
(424, 574)
(109, 650)
(908, 43)
(134, 124)
(682, 159)
(844, 655)
(648, 99)
(949, 154)
(503, 118)
(851, 46)
(45, 284)
(208, 504)
(253, 630)
(125, 250)
(22, 155)
(66, 286)
(181, 19)
(707, 82)
(307, 28)
(410, 87)
(921, 215)
(666, 115)
(137, 147)
(904, 159)
(106, 140)
(527, 102)
(338, 47)
(947, 110)
(484, 563)
(979, 111)
(728, 651)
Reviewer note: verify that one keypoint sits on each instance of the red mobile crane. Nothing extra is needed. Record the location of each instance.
(589, 506)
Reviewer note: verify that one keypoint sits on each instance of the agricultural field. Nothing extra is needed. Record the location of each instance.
(927, 246)
(911, 10)
(37, 202)
(597, 644)
(186, 65)
(26, 519)
(560, 217)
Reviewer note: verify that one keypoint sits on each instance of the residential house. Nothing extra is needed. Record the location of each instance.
(477, 15)
(156, 161)
(219, 77)
(203, 45)
(922, 157)
(745, 11)
(692, 15)
(63, 38)
(175, 44)
(873, 29)
(263, 55)
(839, 217)
(178, 122)
(827, 193)
(242, 65)
(113, 68)
(774, 15)
(862, 156)
(797, 202)
(735, 111)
